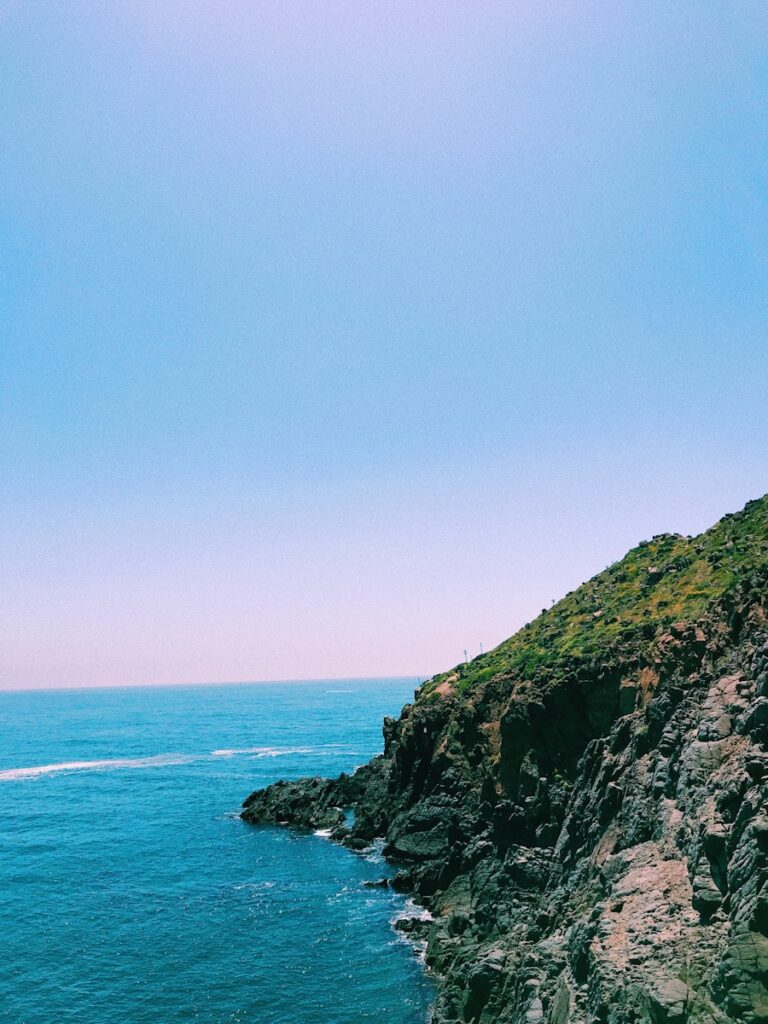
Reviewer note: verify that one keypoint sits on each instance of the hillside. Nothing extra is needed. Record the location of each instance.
(582, 808)
(662, 581)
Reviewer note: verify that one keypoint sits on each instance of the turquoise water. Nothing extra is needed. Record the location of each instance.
(131, 893)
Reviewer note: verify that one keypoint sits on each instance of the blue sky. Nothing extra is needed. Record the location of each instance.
(338, 338)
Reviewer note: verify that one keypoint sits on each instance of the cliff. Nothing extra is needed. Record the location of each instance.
(583, 809)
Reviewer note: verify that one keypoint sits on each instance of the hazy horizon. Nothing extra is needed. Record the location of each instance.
(415, 677)
(338, 339)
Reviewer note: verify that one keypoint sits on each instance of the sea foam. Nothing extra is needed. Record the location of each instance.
(262, 751)
(11, 774)
(158, 760)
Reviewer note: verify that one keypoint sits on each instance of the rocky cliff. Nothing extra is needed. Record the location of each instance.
(583, 810)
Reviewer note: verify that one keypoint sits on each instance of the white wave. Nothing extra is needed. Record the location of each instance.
(417, 946)
(11, 774)
(324, 833)
(375, 852)
(412, 911)
(262, 751)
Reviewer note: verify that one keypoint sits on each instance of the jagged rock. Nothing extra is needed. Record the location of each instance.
(402, 881)
(411, 925)
(584, 810)
(670, 1001)
(310, 803)
(754, 721)
(706, 895)
(418, 846)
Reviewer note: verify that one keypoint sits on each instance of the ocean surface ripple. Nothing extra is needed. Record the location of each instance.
(133, 894)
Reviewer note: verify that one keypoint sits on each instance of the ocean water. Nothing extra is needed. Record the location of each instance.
(130, 891)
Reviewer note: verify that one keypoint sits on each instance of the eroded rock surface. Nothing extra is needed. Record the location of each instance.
(590, 834)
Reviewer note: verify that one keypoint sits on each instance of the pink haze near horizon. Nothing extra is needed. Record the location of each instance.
(340, 338)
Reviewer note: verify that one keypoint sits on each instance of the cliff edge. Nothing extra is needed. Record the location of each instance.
(584, 809)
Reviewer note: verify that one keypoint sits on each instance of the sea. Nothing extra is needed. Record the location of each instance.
(132, 893)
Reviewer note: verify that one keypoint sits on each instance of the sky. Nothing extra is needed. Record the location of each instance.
(338, 338)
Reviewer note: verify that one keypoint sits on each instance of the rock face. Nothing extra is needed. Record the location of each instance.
(584, 811)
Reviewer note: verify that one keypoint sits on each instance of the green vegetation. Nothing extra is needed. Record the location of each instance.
(663, 581)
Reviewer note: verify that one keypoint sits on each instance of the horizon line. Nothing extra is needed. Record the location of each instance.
(418, 678)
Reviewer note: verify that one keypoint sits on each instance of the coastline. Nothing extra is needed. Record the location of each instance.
(589, 844)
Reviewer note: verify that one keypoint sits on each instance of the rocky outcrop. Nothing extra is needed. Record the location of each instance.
(589, 831)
